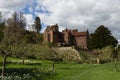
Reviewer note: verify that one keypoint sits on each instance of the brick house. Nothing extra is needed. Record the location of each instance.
(67, 37)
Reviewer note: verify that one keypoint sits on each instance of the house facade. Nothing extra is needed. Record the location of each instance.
(67, 37)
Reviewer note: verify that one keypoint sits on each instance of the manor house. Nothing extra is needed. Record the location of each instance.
(67, 37)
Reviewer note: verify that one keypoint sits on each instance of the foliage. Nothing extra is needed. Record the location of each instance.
(101, 37)
(1, 31)
(17, 21)
(21, 51)
(68, 54)
(87, 57)
(37, 24)
(15, 29)
(51, 44)
(105, 54)
(33, 37)
(0, 17)
(115, 57)
(13, 34)
(45, 52)
(1, 27)
(118, 51)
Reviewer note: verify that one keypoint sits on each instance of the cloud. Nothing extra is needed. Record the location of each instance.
(7, 7)
(83, 14)
(14, 4)
(29, 21)
(80, 14)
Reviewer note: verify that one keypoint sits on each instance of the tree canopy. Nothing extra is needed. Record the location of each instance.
(101, 37)
(37, 24)
(13, 34)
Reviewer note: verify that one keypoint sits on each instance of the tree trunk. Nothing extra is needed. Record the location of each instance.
(23, 61)
(115, 65)
(53, 66)
(98, 61)
(4, 65)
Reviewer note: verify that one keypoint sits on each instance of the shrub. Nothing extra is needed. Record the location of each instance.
(68, 54)
(106, 54)
(87, 57)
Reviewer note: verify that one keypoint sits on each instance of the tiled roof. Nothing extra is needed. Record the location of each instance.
(79, 33)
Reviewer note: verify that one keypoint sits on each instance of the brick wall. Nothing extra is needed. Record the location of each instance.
(81, 42)
(70, 37)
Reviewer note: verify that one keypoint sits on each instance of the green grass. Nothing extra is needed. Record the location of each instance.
(74, 71)
(70, 70)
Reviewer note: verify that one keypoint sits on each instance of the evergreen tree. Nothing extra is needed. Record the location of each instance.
(101, 38)
(37, 24)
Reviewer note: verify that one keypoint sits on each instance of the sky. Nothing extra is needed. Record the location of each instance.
(72, 14)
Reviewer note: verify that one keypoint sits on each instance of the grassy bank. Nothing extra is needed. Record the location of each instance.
(64, 70)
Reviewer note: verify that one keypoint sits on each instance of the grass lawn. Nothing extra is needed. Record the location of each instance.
(85, 72)
(69, 70)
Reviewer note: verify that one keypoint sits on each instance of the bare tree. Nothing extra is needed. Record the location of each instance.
(13, 35)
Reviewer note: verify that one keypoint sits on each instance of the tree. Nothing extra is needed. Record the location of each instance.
(12, 36)
(1, 27)
(101, 37)
(1, 47)
(15, 29)
(52, 55)
(118, 50)
(115, 56)
(33, 37)
(21, 51)
(106, 53)
(45, 52)
(0, 17)
(37, 24)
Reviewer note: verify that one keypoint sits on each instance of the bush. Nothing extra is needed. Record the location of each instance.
(87, 57)
(106, 55)
(68, 54)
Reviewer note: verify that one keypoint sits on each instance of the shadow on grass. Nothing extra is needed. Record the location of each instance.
(36, 74)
